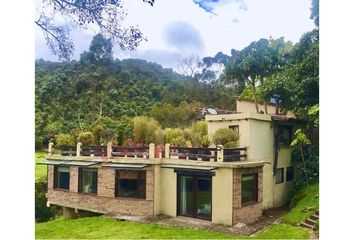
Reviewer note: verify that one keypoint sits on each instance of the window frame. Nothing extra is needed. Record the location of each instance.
(81, 170)
(117, 182)
(255, 189)
(282, 175)
(235, 127)
(290, 136)
(56, 179)
(292, 176)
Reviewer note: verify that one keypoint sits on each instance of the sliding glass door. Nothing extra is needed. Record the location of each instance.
(194, 196)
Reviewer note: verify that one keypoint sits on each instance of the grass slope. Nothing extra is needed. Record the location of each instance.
(41, 170)
(308, 203)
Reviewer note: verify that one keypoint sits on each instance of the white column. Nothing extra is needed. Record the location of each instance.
(220, 153)
(78, 149)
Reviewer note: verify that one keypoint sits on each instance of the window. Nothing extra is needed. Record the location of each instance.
(88, 180)
(235, 128)
(61, 177)
(285, 135)
(279, 175)
(249, 188)
(130, 183)
(289, 174)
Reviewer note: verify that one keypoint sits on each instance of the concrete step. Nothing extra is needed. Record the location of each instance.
(303, 224)
(310, 222)
(314, 217)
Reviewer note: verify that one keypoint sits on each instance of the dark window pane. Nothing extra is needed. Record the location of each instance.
(285, 135)
(130, 183)
(89, 180)
(249, 188)
(289, 174)
(279, 175)
(62, 177)
(203, 195)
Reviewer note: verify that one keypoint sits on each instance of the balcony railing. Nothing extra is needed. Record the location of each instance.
(234, 154)
(218, 154)
(203, 154)
(136, 152)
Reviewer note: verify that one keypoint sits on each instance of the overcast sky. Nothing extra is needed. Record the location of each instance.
(180, 28)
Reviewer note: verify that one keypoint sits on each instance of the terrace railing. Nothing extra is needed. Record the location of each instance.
(218, 154)
(234, 154)
(97, 151)
(67, 150)
(203, 154)
(135, 152)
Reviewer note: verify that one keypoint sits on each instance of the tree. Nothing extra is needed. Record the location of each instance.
(106, 15)
(253, 64)
(86, 138)
(63, 139)
(301, 141)
(315, 12)
(226, 137)
(145, 130)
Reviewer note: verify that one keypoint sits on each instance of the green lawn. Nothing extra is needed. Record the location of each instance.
(284, 231)
(308, 203)
(102, 228)
(41, 170)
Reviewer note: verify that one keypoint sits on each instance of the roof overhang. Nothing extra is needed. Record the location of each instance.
(126, 166)
(189, 168)
(69, 163)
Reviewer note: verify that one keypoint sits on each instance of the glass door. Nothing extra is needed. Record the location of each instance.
(194, 196)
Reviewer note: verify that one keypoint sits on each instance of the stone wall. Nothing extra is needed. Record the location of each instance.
(104, 201)
(251, 211)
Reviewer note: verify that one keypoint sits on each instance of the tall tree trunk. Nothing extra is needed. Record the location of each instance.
(303, 161)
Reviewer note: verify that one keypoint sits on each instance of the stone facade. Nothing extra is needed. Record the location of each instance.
(251, 211)
(105, 200)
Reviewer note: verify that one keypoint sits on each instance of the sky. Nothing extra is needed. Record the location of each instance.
(177, 29)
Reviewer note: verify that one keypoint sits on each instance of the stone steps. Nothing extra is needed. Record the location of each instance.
(311, 221)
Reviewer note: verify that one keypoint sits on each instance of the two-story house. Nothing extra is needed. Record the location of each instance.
(224, 186)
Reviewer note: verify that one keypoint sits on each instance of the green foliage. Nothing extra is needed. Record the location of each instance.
(226, 137)
(179, 141)
(172, 133)
(311, 157)
(300, 138)
(86, 138)
(198, 134)
(304, 203)
(64, 139)
(40, 170)
(42, 212)
(314, 112)
(169, 116)
(146, 130)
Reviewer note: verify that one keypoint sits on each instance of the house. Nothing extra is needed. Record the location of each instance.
(225, 186)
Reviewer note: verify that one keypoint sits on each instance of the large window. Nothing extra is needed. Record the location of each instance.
(88, 180)
(285, 135)
(279, 175)
(61, 177)
(249, 188)
(130, 183)
(289, 174)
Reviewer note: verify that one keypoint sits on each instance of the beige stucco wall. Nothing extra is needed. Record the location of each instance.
(257, 134)
(281, 189)
(168, 190)
(249, 106)
(222, 196)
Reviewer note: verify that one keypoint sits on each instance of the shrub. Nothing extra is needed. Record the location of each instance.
(42, 212)
(145, 129)
(86, 138)
(172, 133)
(64, 139)
(226, 137)
(178, 142)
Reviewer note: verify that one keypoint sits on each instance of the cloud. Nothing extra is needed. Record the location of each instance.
(183, 37)
(211, 5)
